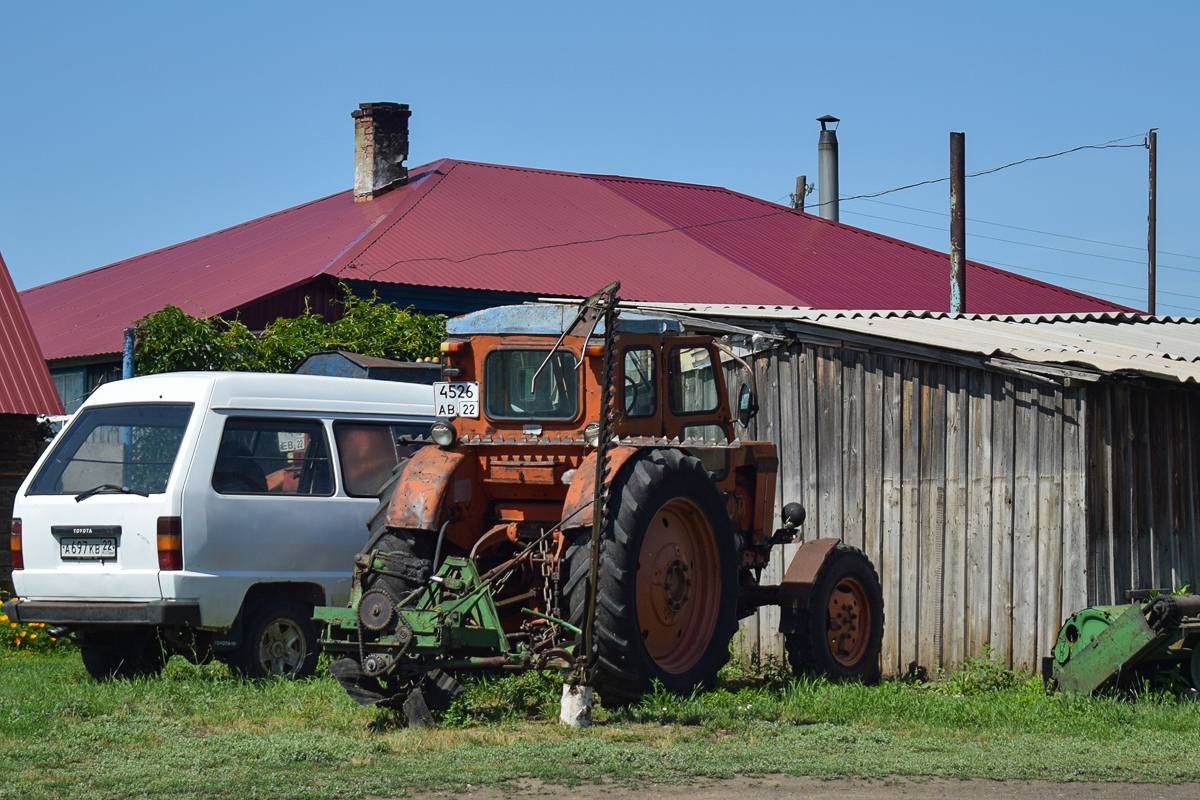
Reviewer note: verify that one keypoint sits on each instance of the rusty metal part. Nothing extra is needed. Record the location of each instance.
(419, 494)
(520, 598)
(755, 595)
(578, 506)
(600, 485)
(848, 621)
(375, 610)
(795, 590)
(678, 585)
(506, 532)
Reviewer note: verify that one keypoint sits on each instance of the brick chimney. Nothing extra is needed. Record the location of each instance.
(380, 147)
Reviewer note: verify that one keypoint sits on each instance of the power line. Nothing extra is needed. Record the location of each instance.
(1112, 143)
(1023, 244)
(1034, 230)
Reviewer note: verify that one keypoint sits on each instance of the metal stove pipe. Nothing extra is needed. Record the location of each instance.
(827, 163)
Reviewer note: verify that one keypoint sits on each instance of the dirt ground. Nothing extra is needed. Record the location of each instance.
(784, 787)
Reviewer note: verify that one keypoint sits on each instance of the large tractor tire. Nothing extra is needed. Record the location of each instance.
(841, 634)
(667, 587)
(409, 553)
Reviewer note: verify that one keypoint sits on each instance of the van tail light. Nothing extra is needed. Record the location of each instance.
(170, 543)
(14, 539)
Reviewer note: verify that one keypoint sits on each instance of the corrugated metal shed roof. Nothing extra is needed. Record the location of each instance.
(461, 224)
(1108, 343)
(25, 383)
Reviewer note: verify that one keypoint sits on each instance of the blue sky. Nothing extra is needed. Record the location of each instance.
(126, 127)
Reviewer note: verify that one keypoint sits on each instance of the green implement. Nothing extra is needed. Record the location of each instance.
(1110, 645)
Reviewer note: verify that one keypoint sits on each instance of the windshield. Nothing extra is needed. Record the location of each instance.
(507, 390)
(131, 446)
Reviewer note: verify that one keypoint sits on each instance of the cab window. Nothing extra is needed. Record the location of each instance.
(641, 382)
(693, 384)
(273, 457)
(368, 453)
(509, 391)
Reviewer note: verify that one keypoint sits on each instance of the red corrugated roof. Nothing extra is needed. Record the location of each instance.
(25, 383)
(461, 224)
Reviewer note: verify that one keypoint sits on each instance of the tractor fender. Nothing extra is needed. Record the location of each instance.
(418, 495)
(577, 509)
(795, 591)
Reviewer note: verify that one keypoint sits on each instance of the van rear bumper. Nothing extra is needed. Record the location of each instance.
(154, 612)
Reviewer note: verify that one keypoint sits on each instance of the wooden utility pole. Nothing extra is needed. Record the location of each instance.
(1152, 219)
(958, 223)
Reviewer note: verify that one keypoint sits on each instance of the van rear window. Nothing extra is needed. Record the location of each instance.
(128, 446)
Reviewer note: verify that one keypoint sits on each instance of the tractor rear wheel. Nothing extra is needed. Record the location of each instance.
(842, 632)
(667, 596)
(404, 550)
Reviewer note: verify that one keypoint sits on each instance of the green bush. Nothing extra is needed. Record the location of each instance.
(171, 340)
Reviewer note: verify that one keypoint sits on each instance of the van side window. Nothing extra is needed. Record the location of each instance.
(368, 452)
(273, 456)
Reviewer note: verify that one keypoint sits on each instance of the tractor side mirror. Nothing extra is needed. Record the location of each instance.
(747, 405)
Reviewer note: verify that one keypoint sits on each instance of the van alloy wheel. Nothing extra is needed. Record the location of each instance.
(281, 648)
(279, 640)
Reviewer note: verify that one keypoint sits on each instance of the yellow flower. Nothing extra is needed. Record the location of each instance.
(33, 636)
(13, 624)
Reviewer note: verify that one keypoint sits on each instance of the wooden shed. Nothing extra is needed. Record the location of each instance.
(1000, 471)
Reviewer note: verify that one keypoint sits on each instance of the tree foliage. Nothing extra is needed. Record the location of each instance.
(171, 340)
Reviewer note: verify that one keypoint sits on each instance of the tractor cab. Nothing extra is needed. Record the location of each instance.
(521, 373)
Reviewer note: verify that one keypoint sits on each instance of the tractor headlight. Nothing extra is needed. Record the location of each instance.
(591, 434)
(443, 433)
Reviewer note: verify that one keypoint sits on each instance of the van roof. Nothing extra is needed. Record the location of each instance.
(273, 392)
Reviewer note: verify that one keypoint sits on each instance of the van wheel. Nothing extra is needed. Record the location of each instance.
(122, 653)
(279, 641)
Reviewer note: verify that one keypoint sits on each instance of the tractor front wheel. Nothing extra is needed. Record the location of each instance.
(842, 632)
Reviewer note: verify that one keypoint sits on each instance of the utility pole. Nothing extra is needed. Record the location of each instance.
(1152, 219)
(958, 223)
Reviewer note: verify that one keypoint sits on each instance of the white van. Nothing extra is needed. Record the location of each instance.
(207, 514)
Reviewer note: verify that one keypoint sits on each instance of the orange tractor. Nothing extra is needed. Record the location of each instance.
(585, 504)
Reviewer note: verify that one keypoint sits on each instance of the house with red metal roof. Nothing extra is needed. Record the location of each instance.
(454, 236)
(26, 391)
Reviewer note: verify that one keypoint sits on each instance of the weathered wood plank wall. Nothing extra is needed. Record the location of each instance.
(967, 488)
(1142, 455)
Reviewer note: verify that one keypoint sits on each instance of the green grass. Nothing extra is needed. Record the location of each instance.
(196, 732)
